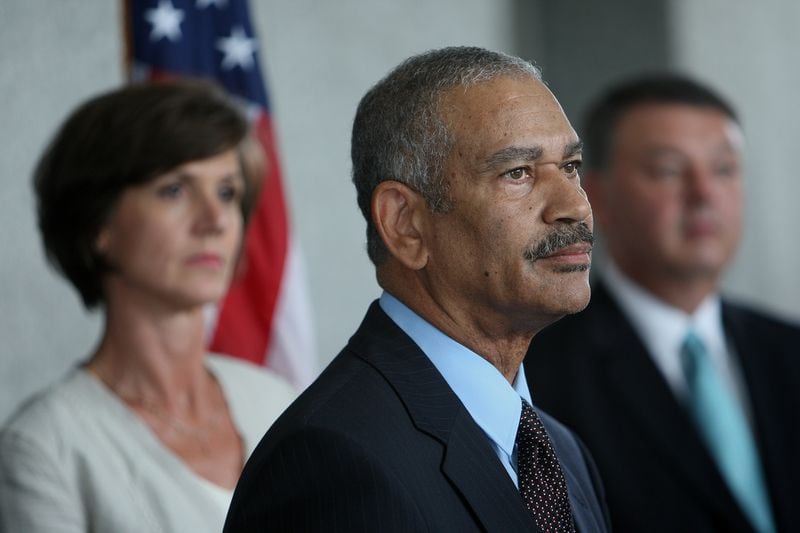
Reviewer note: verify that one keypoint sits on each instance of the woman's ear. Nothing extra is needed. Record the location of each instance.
(399, 214)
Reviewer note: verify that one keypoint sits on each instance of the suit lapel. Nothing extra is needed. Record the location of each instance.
(474, 470)
(652, 407)
(573, 465)
(469, 462)
(768, 382)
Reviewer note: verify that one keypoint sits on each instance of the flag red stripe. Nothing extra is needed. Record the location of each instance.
(246, 313)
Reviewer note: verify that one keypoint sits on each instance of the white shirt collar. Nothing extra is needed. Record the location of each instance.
(663, 328)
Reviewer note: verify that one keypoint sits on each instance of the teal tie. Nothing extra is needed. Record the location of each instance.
(722, 424)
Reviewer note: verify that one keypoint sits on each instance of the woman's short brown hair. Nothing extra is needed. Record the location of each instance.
(114, 141)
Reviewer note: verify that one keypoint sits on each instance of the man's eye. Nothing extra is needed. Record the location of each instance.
(665, 172)
(517, 174)
(726, 169)
(573, 167)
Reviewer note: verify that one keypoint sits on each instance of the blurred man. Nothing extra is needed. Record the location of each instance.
(467, 174)
(688, 403)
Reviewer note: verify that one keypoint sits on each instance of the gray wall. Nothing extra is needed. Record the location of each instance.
(52, 55)
(320, 58)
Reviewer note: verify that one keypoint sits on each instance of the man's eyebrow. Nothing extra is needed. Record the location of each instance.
(512, 154)
(573, 149)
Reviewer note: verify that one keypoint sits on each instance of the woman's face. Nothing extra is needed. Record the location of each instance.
(174, 241)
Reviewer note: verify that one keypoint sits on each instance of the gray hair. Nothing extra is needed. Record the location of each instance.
(398, 131)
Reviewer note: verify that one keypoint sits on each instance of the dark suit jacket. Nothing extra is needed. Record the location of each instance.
(379, 442)
(593, 373)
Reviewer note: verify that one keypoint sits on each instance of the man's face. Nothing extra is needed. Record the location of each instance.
(670, 203)
(513, 177)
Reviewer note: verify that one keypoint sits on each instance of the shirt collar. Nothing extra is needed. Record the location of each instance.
(662, 327)
(490, 400)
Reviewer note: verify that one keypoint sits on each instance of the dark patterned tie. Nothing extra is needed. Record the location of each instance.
(541, 481)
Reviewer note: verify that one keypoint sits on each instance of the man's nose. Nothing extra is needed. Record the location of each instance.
(698, 184)
(566, 201)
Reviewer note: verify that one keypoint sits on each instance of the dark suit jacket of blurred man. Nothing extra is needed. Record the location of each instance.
(593, 373)
(381, 443)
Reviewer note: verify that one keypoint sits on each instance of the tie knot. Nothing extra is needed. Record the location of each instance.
(693, 354)
(693, 342)
(531, 438)
(528, 421)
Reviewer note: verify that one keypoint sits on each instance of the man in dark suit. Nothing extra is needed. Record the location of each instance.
(466, 171)
(689, 403)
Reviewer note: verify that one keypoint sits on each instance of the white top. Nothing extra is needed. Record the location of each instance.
(663, 329)
(76, 459)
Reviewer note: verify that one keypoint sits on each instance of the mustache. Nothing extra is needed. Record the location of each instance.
(559, 238)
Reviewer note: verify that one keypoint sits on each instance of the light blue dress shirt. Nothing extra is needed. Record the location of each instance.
(492, 402)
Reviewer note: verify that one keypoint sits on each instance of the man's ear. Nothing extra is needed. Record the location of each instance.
(399, 214)
(593, 183)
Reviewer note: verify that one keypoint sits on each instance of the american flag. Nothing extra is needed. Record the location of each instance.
(265, 317)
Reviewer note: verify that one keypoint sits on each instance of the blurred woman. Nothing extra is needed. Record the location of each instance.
(142, 198)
